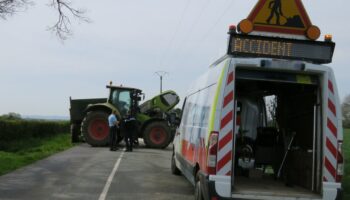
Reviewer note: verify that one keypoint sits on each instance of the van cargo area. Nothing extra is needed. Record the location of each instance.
(278, 135)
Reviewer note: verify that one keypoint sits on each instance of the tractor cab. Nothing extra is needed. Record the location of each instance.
(124, 99)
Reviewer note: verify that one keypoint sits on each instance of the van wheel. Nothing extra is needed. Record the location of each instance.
(174, 169)
(198, 193)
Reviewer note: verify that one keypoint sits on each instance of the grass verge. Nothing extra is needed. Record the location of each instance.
(17, 154)
(346, 177)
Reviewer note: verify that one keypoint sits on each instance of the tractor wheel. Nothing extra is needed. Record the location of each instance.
(75, 131)
(157, 135)
(95, 128)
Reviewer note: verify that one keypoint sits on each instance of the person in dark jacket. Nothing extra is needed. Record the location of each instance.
(130, 129)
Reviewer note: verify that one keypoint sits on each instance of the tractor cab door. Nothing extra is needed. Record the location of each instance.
(121, 99)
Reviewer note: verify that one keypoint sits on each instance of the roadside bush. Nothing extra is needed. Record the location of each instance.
(345, 107)
(11, 130)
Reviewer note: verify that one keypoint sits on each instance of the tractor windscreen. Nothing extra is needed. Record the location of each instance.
(121, 99)
(169, 99)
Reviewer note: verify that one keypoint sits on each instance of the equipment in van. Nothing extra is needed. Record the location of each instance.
(155, 122)
(285, 155)
(226, 145)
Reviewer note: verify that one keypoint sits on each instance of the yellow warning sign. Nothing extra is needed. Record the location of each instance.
(281, 16)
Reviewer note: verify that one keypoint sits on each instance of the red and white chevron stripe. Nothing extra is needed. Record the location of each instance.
(330, 156)
(224, 159)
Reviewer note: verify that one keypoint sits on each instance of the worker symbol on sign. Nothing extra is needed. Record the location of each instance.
(276, 10)
(276, 13)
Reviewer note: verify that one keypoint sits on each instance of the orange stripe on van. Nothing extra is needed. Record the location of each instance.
(188, 150)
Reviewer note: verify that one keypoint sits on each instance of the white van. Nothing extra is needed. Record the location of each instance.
(231, 145)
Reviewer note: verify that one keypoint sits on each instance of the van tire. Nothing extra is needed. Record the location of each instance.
(174, 169)
(157, 135)
(198, 193)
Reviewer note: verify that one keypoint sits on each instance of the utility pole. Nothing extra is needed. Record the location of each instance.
(161, 74)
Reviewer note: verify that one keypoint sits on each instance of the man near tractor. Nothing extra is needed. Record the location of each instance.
(131, 128)
(113, 126)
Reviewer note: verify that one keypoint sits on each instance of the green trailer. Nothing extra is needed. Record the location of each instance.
(156, 125)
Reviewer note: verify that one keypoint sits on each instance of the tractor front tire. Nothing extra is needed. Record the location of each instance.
(157, 135)
(95, 128)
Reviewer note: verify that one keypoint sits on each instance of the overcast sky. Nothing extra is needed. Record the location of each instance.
(126, 42)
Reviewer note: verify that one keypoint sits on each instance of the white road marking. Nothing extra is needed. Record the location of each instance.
(110, 178)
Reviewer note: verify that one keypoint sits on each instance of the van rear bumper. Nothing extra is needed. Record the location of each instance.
(209, 189)
(332, 191)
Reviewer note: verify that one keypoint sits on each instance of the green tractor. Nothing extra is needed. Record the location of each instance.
(89, 117)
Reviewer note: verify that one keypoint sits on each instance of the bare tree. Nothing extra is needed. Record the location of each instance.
(345, 107)
(62, 28)
(10, 7)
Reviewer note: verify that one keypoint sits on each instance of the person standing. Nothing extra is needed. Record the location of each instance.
(113, 126)
(130, 131)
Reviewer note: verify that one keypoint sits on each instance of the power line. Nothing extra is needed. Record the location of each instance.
(216, 23)
(175, 33)
(196, 21)
(200, 42)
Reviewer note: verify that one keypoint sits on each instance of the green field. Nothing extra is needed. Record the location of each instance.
(16, 154)
(346, 149)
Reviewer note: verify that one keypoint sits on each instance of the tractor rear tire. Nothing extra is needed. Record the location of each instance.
(95, 128)
(157, 135)
(75, 131)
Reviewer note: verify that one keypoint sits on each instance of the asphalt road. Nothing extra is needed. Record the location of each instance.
(84, 172)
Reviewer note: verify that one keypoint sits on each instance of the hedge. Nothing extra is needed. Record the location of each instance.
(21, 129)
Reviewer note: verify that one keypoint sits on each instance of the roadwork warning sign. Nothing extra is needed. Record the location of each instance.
(280, 16)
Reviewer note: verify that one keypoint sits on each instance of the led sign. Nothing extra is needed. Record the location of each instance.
(257, 46)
